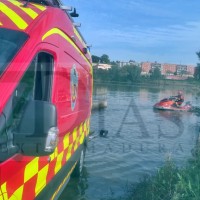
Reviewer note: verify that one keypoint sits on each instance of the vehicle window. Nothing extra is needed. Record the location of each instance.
(43, 77)
(36, 84)
(3, 138)
(10, 42)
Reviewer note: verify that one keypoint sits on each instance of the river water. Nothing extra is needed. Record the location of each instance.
(138, 142)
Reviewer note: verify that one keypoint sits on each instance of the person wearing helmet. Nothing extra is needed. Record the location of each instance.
(179, 99)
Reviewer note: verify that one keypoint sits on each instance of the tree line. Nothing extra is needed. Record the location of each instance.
(129, 73)
(197, 71)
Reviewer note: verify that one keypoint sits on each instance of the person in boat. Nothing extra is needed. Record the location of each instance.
(179, 99)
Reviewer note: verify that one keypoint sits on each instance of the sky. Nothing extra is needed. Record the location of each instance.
(141, 30)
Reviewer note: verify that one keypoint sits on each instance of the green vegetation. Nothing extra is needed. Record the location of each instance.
(103, 59)
(128, 73)
(132, 73)
(197, 71)
(169, 183)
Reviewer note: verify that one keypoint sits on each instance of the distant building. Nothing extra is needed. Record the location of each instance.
(181, 69)
(168, 69)
(154, 66)
(145, 68)
(122, 64)
(191, 70)
(102, 66)
(131, 62)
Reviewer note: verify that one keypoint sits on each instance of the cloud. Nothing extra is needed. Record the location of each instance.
(175, 43)
(141, 27)
(140, 36)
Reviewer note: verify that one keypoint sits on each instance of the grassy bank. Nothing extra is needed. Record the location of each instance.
(169, 183)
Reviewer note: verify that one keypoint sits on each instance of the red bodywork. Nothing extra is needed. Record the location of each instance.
(169, 104)
(50, 30)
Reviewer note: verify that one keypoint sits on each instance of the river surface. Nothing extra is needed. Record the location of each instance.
(138, 142)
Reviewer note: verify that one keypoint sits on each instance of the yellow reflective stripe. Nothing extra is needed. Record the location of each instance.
(76, 144)
(1, 24)
(17, 20)
(52, 156)
(4, 191)
(69, 152)
(58, 162)
(74, 133)
(56, 152)
(31, 169)
(41, 179)
(18, 193)
(67, 38)
(42, 8)
(62, 34)
(82, 138)
(75, 139)
(27, 10)
(63, 182)
(66, 141)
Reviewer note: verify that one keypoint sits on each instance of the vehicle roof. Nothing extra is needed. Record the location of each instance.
(15, 15)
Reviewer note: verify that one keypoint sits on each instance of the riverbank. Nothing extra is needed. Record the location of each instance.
(192, 85)
(170, 183)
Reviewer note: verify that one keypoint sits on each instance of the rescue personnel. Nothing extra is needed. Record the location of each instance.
(179, 99)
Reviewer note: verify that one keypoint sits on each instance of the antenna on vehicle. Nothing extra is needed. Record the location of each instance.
(74, 13)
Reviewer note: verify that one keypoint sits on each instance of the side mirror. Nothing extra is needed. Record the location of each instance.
(37, 132)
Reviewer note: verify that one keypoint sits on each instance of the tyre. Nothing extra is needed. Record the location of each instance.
(80, 163)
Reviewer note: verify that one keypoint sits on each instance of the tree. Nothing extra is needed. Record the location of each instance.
(105, 59)
(114, 73)
(95, 59)
(198, 54)
(156, 73)
(101, 74)
(197, 69)
(130, 73)
(169, 72)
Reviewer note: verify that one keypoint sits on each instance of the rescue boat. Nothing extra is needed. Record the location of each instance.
(45, 98)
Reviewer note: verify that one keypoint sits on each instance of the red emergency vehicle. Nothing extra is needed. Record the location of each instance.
(45, 99)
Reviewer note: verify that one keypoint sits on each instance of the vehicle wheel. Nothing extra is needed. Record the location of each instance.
(79, 166)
